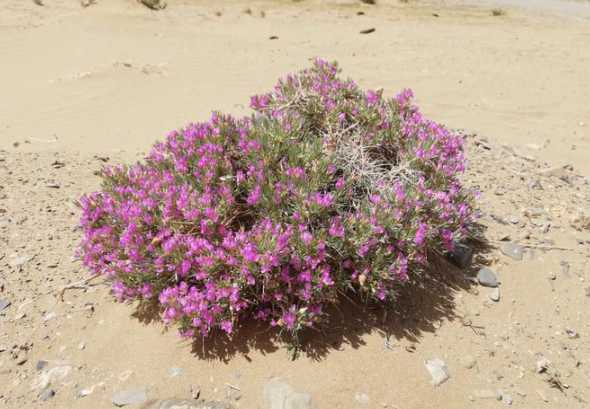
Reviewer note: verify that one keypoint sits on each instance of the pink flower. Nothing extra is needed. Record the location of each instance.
(290, 318)
(254, 196)
(336, 228)
(324, 199)
(250, 253)
(373, 97)
(404, 97)
(306, 237)
(421, 234)
(227, 326)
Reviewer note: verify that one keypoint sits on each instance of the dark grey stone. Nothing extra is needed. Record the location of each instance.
(462, 255)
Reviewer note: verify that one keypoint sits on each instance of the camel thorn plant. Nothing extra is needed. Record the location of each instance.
(325, 189)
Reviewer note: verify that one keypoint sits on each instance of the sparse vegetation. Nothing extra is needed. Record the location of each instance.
(327, 189)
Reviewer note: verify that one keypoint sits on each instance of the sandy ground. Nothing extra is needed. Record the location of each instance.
(80, 86)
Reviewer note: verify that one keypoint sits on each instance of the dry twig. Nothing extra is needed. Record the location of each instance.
(82, 285)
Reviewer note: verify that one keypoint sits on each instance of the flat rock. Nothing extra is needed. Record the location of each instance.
(280, 395)
(129, 397)
(4, 304)
(189, 404)
(512, 250)
(487, 277)
(438, 371)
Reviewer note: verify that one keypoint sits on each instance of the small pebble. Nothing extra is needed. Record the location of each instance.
(468, 361)
(195, 391)
(233, 394)
(49, 316)
(174, 372)
(495, 295)
(438, 371)
(361, 398)
(47, 394)
(40, 365)
(487, 394)
(123, 376)
(512, 250)
(542, 395)
(542, 365)
(507, 399)
(19, 261)
(4, 304)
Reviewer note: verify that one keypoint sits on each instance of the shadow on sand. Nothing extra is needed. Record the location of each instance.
(420, 306)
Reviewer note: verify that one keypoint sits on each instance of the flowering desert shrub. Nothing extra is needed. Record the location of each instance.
(325, 189)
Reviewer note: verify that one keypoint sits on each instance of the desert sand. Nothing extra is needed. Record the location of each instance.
(84, 86)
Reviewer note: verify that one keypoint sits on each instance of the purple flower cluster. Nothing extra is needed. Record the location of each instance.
(265, 218)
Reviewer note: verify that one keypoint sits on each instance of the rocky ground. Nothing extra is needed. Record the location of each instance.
(515, 331)
(96, 82)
